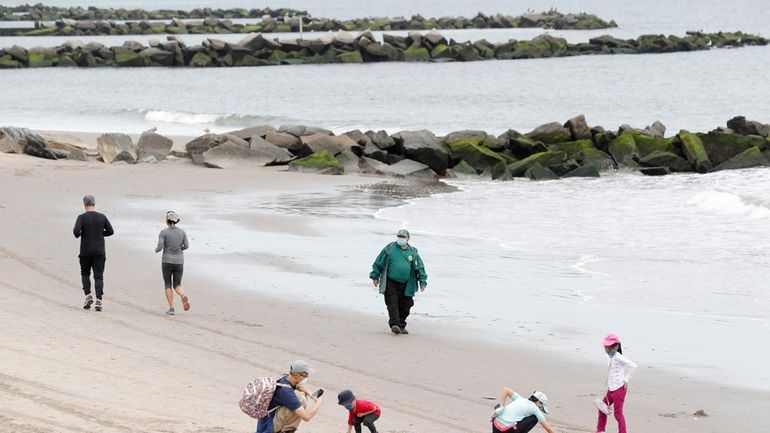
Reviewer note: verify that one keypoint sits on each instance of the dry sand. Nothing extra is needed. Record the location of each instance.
(133, 369)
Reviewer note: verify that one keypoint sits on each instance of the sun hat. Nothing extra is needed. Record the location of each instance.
(345, 397)
(172, 216)
(300, 366)
(542, 398)
(610, 339)
(403, 232)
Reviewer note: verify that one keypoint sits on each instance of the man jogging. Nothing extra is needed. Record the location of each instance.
(396, 271)
(91, 227)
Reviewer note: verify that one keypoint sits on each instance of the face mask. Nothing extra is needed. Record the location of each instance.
(401, 242)
(349, 406)
(612, 353)
(303, 381)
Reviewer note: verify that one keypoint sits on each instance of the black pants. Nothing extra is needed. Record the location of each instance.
(97, 264)
(367, 420)
(398, 303)
(172, 275)
(522, 426)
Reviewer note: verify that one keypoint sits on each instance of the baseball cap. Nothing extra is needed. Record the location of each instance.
(542, 398)
(610, 339)
(300, 366)
(403, 232)
(172, 216)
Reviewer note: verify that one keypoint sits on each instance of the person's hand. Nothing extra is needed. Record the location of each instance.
(319, 401)
(360, 415)
(423, 286)
(376, 282)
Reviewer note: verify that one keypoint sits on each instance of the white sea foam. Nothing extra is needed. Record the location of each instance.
(727, 203)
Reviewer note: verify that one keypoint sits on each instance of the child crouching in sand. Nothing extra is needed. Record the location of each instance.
(361, 411)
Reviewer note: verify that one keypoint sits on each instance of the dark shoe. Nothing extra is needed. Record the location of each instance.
(89, 301)
(170, 312)
(98, 306)
(395, 329)
(403, 330)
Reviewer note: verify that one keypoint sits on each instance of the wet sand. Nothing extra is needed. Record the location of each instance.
(133, 369)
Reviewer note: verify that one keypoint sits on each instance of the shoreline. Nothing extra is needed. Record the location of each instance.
(232, 335)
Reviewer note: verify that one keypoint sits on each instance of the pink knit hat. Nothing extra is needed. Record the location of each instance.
(610, 339)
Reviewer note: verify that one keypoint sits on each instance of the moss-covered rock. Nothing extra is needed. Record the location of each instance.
(585, 153)
(660, 158)
(647, 144)
(41, 59)
(624, 151)
(66, 61)
(413, 54)
(500, 171)
(538, 172)
(693, 150)
(722, 147)
(201, 60)
(384, 52)
(584, 171)
(130, 58)
(441, 51)
(351, 57)
(479, 157)
(8, 62)
(322, 162)
(751, 157)
(546, 159)
(464, 169)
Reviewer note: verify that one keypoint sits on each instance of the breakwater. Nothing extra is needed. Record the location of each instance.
(342, 47)
(550, 151)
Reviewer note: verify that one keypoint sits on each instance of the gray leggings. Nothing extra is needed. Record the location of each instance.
(172, 275)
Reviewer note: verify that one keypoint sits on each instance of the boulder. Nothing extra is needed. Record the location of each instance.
(322, 162)
(657, 129)
(584, 152)
(546, 159)
(153, 144)
(751, 157)
(374, 152)
(655, 171)
(401, 169)
(382, 140)
(247, 133)
(198, 146)
(583, 171)
(693, 150)
(334, 144)
(647, 144)
(230, 154)
(359, 137)
(538, 172)
(116, 147)
(550, 133)
(435, 38)
(463, 169)
(279, 155)
(674, 163)
(741, 126)
(350, 161)
(578, 128)
(295, 130)
(22, 140)
(424, 147)
(470, 152)
(721, 146)
(624, 151)
(520, 145)
(284, 140)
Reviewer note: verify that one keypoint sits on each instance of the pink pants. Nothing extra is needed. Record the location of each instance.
(615, 399)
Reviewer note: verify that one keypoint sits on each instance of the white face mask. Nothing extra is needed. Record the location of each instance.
(303, 381)
(401, 242)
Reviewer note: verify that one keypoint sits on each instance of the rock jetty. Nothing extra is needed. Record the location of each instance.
(342, 47)
(78, 22)
(550, 151)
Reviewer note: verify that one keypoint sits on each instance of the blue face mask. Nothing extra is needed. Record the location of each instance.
(612, 353)
(401, 242)
(349, 406)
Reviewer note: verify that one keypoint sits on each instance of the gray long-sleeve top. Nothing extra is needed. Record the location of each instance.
(172, 241)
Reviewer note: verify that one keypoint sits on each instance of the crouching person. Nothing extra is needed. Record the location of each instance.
(520, 415)
(288, 407)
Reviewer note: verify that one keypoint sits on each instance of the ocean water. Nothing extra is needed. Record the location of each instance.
(675, 265)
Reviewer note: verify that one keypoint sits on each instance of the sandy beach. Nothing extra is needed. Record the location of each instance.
(133, 369)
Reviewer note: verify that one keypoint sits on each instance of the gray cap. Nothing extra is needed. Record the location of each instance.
(403, 232)
(89, 200)
(300, 366)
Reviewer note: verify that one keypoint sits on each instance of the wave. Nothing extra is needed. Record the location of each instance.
(732, 204)
(220, 119)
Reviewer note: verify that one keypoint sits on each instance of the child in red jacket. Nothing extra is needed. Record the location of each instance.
(361, 411)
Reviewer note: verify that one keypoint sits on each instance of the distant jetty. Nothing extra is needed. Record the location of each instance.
(550, 151)
(52, 21)
(342, 47)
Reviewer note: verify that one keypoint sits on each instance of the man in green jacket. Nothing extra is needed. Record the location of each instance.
(397, 271)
